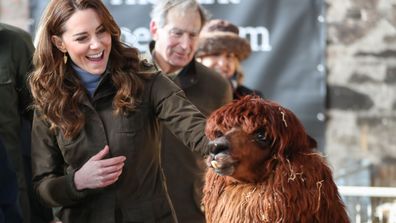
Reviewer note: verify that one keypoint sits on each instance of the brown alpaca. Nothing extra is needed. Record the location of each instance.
(263, 168)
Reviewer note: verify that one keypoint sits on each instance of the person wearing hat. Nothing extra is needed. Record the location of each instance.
(221, 48)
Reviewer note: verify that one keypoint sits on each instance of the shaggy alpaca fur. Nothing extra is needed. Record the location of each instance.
(264, 168)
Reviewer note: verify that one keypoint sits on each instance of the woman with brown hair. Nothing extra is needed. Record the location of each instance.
(98, 113)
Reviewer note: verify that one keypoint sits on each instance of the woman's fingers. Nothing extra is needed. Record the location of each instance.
(111, 161)
(101, 154)
(109, 179)
(112, 169)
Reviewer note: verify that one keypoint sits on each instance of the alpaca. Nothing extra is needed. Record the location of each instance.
(263, 167)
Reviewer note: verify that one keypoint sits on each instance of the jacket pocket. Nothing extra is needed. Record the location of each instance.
(127, 130)
(131, 123)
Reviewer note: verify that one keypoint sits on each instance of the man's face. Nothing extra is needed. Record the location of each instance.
(177, 41)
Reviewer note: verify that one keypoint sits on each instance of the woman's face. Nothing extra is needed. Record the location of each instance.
(86, 40)
(224, 63)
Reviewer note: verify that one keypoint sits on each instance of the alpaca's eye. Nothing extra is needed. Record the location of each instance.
(218, 134)
(261, 137)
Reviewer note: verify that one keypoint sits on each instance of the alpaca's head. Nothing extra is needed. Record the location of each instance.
(250, 136)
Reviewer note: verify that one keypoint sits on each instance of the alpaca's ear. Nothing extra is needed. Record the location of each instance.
(311, 142)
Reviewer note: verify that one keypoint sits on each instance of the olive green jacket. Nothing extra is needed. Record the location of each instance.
(139, 194)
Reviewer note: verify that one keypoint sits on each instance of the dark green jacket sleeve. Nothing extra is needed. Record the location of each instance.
(179, 115)
(49, 180)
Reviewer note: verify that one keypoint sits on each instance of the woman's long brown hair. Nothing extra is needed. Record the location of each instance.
(57, 90)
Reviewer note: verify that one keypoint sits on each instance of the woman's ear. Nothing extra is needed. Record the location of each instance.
(57, 41)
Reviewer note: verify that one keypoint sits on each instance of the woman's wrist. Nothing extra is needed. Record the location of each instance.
(77, 181)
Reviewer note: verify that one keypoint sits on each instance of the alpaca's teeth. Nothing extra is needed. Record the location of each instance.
(214, 164)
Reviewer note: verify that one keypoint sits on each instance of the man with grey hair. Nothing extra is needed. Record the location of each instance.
(175, 27)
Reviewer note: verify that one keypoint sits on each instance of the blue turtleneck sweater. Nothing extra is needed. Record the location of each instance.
(89, 80)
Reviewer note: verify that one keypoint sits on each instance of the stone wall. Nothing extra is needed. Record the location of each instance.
(15, 12)
(361, 62)
(361, 105)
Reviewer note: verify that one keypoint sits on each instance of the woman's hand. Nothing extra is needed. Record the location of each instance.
(98, 172)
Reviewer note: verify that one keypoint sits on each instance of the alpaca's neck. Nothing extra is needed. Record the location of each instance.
(248, 203)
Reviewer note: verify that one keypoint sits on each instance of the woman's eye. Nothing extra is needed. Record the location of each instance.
(81, 39)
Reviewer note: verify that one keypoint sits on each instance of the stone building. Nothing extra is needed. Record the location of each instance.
(361, 80)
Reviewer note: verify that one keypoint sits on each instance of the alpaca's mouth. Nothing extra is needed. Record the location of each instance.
(222, 163)
(225, 170)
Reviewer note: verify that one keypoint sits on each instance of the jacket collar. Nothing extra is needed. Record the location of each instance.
(105, 88)
(188, 76)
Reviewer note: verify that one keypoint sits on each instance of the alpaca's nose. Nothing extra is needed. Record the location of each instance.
(218, 145)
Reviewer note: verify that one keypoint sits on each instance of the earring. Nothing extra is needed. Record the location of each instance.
(64, 58)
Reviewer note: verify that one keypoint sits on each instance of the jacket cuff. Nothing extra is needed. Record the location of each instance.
(72, 190)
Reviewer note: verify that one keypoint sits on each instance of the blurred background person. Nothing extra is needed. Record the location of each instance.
(15, 117)
(9, 208)
(221, 48)
(15, 62)
(175, 26)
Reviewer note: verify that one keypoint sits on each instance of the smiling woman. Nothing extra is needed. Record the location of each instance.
(98, 115)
